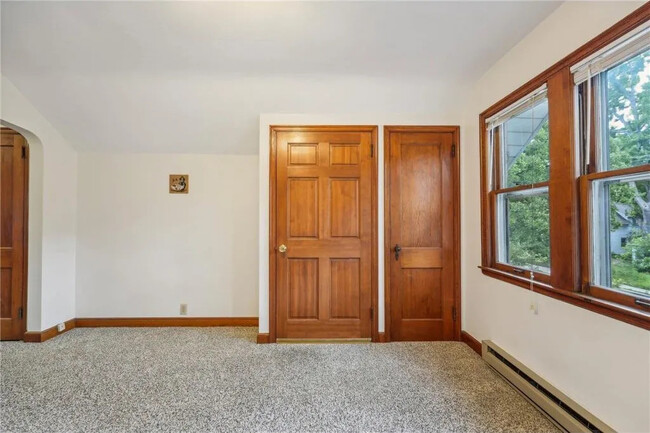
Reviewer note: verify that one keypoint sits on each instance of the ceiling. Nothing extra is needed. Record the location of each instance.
(194, 76)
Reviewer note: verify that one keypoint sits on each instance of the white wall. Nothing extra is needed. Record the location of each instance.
(602, 363)
(142, 251)
(52, 212)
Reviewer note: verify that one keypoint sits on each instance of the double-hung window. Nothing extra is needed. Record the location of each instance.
(519, 186)
(565, 177)
(614, 129)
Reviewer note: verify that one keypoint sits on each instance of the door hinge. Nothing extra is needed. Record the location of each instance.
(372, 313)
(20, 313)
(453, 150)
(23, 152)
(372, 150)
(453, 313)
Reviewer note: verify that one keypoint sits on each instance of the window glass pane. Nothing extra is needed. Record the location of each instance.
(524, 230)
(626, 129)
(525, 146)
(621, 233)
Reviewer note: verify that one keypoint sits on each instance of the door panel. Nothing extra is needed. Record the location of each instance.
(344, 208)
(420, 189)
(421, 294)
(421, 223)
(324, 218)
(346, 288)
(302, 196)
(12, 236)
(303, 288)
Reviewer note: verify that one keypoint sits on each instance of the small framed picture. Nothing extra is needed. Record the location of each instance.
(179, 183)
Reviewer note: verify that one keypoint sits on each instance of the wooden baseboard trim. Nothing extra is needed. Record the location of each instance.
(132, 322)
(263, 338)
(157, 322)
(381, 338)
(472, 342)
(41, 336)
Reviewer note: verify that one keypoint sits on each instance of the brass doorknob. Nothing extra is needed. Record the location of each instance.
(282, 248)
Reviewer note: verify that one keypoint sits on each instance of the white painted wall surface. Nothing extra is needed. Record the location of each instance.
(126, 262)
(602, 363)
(52, 212)
(142, 251)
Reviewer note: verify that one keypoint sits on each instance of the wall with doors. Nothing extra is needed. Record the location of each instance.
(600, 362)
(440, 114)
(52, 212)
(143, 251)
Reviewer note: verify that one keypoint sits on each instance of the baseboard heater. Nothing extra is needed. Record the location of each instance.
(564, 412)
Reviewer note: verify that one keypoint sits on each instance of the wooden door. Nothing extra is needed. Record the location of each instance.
(324, 205)
(422, 232)
(12, 236)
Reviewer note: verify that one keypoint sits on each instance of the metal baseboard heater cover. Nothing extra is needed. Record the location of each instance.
(563, 411)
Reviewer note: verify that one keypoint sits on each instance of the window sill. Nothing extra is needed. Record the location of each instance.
(616, 311)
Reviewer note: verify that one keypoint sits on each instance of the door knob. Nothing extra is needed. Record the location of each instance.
(397, 249)
(282, 248)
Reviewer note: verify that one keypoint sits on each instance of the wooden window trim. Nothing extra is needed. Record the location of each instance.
(567, 196)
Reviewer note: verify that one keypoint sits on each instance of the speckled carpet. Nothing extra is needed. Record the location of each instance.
(219, 380)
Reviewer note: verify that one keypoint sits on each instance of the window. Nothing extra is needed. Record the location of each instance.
(525, 230)
(565, 178)
(519, 143)
(617, 173)
(620, 234)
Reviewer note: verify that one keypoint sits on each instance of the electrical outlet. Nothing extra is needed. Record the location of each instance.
(183, 309)
(60, 327)
(533, 307)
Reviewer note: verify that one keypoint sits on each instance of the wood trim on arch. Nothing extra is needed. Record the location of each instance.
(273, 129)
(455, 130)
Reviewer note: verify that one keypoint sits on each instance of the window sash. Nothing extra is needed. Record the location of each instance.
(496, 187)
(590, 251)
(502, 227)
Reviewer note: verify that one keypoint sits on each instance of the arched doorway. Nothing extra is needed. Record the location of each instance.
(13, 234)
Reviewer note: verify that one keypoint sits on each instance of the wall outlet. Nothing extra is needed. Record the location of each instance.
(183, 309)
(60, 327)
(533, 307)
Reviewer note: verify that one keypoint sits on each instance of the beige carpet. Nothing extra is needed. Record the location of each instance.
(219, 380)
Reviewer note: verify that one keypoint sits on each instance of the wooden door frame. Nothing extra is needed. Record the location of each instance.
(374, 294)
(455, 130)
(25, 215)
